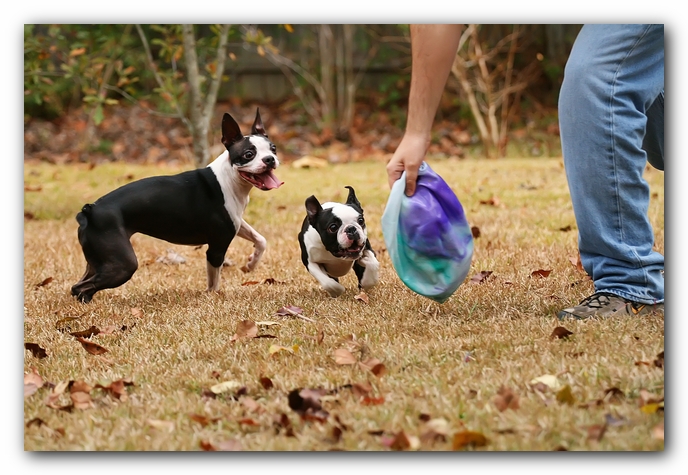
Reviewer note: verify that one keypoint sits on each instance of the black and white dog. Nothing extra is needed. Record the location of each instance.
(203, 206)
(334, 239)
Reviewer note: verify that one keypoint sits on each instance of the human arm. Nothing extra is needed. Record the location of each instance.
(433, 49)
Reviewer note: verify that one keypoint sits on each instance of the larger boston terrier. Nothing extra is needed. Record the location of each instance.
(333, 239)
(202, 206)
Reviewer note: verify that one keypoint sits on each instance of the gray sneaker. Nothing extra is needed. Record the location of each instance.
(606, 305)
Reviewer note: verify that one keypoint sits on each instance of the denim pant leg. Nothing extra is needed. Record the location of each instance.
(615, 73)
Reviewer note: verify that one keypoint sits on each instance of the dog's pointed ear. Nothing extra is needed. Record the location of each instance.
(351, 199)
(312, 207)
(257, 128)
(231, 133)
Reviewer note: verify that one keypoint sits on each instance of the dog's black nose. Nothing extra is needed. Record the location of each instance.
(269, 161)
(351, 232)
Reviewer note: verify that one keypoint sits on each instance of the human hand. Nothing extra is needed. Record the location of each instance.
(408, 156)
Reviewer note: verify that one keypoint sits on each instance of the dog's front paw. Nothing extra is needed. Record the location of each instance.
(251, 263)
(335, 289)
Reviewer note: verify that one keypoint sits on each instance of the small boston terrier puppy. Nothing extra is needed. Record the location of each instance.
(202, 206)
(334, 239)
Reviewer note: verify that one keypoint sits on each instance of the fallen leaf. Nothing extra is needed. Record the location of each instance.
(87, 333)
(266, 382)
(251, 404)
(548, 380)
(506, 399)
(247, 421)
(306, 403)
(109, 330)
(400, 442)
(225, 386)
(289, 310)
(576, 261)
(93, 348)
(435, 430)
(475, 231)
(245, 329)
(44, 282)
(659, 363)
(652, 408)
(206, 446)
(62, 325)
(274, 349)
(614, 395)
(250, 282)
(203, 420)
(492, 201)
(362, 297)
(136, 312)
(35, 421)
(230, 445)
(36, 350)
(309, 161)
(343, 356)
(372, 401)
(361, 390)
(560, 332)
(481, 277)
(658, 431)
(541, 273)
(566, 228)
(161, 425)
(468, 439)
(564, 395)
(117, 389)
(32, 383)
(81, 400)
(80, 386)
(596, 432)
(613, 421)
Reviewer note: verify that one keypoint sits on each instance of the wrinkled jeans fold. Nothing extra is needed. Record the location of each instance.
(611, 115)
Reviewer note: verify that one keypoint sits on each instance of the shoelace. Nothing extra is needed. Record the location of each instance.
(598, 300)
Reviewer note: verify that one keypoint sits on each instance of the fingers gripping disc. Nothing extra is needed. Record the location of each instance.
(427, 236)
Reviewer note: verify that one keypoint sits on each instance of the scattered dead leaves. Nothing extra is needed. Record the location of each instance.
(92, 348)
(481, 277)
(44, 282)
(466, 439)
(36, 350)
(561, 332)
(541, 273)
(505, 399)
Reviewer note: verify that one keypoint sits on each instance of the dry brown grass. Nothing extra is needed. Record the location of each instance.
(445, 361)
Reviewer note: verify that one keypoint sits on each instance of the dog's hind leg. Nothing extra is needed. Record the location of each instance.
(110, 264)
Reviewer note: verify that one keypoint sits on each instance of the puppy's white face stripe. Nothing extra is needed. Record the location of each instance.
(256, 165)
(349, 217)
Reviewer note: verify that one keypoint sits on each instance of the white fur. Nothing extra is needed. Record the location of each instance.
(323, 265)
(236, 193)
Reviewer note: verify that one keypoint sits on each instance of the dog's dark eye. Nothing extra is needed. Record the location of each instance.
(332, 228)
(361, 221)
(273, 149)
(248, 154)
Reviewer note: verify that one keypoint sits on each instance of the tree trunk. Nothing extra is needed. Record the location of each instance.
(202, 111)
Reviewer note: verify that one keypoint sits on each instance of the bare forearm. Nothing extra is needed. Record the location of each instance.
(433, 49)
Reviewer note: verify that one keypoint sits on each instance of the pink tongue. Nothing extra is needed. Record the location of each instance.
(269, 180)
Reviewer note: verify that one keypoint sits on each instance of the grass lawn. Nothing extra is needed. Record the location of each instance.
(398, 372)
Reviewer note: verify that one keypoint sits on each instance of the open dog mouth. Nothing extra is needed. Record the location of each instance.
(263, 181)
(352, 252)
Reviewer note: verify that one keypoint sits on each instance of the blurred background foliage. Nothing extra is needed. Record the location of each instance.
(322, 74)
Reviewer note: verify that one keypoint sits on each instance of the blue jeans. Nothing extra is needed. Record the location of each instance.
(611, 118)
